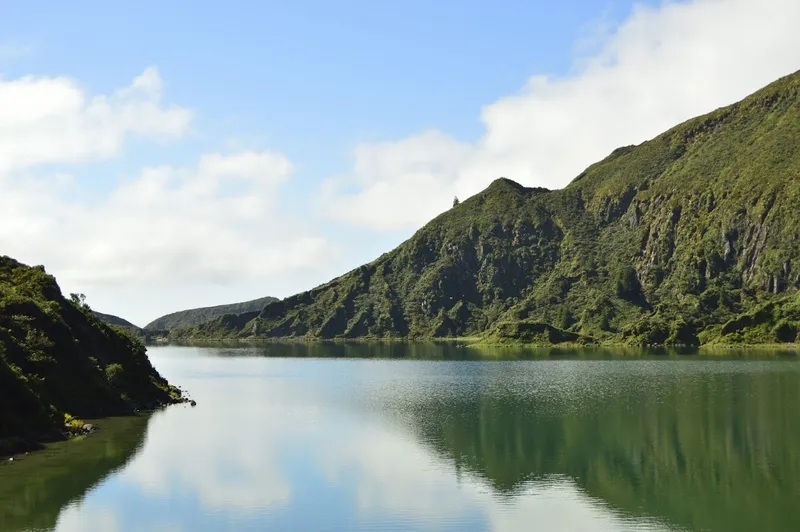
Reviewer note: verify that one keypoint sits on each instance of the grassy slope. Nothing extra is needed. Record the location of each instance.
(198, 316)
(58, 359)
(691, 237)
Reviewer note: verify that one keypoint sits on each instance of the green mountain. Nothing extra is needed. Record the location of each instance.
(59, 362)
(115, 320)
(198, 316)
(691, 237)
(145, 335)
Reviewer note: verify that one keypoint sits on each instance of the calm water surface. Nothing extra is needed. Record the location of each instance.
(431, 438)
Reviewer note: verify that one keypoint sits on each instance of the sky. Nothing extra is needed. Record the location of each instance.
(158, 156)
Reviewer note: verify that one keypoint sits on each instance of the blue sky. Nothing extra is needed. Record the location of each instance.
(309, 79)
(383, 111)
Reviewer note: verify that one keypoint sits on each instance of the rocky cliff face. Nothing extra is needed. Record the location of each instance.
(691, 237)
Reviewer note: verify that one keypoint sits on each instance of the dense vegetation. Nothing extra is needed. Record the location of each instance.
(59, 362)
(198, 316)
(689, 238)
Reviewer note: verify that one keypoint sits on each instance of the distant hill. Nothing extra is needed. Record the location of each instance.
(145, 335)
(58, 362)
(114, 320)
(198, 316)
(692, 237)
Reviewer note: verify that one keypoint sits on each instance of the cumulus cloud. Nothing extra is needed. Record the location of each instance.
(164, 238)
(49, 120)
(660, 66)
(213, 222)
(398, 180)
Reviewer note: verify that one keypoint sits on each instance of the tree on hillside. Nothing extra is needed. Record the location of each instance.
(455, 201)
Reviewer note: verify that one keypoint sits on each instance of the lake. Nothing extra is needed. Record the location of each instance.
(432, 437)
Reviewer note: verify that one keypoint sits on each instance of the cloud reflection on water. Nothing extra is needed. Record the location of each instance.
(318, 444)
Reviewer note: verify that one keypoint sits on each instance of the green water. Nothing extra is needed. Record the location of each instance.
(422, 437)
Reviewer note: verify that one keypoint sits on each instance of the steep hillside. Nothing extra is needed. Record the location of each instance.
(691, 237)
(59, 361)
(197, 316)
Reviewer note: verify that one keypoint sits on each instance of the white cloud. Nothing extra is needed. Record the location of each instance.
(661, 66)
(214, 222)
(167, 238)
(45, 120)
(391, 177)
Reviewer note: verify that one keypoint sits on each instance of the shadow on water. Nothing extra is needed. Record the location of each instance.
(711, 452)
(35, 488)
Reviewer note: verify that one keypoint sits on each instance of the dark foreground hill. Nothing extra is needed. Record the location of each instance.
(198, 316)
(59, 361)
(689, 238)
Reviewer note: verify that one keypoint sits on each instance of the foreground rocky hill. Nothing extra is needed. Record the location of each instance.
(689, 238)
(59, 362)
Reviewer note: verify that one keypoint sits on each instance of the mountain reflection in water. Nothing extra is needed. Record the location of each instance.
(435, 442)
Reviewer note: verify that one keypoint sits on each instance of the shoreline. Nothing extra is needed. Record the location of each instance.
(473, 342)
(13, 446)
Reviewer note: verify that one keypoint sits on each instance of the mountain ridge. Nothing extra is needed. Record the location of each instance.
(688, 238)
(148, 336)
(197, 316)
(115, 320)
